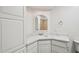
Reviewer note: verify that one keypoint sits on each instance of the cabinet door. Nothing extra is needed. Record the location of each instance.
(57, 49)
(44, 46)
(12, 34)
(32, 48)
(59, 46)
(0, 36)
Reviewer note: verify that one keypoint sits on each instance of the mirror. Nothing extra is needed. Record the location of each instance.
(41, 23)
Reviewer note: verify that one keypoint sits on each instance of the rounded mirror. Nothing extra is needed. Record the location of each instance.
(41, 23)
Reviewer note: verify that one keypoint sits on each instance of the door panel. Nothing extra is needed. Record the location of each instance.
(12, 34)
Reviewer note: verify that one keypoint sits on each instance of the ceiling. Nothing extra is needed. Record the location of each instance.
(42, 8)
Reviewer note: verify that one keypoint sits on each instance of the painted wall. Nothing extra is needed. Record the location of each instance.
(28, 27)
(29, 19)
(70, 19)
(68, 15)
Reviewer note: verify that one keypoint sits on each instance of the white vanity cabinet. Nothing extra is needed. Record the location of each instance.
(59, 46)
(49, 46)
(32, 48)
(44, 46)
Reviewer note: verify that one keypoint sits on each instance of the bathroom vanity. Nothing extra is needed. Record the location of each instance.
(48, 44)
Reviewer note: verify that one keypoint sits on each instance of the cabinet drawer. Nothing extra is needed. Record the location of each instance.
(56, 49)
(44, 42)
(59, 43)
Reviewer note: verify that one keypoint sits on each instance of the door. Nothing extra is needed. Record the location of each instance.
(12, 34)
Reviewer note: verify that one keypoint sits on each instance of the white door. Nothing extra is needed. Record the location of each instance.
(12, 34)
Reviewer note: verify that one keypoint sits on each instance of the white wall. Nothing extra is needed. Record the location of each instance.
(70, 18)
(29, 19)
(27, 24)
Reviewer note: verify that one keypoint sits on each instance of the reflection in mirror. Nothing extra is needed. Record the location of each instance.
(41, 23)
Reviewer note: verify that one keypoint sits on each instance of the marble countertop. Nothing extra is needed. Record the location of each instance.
(44, 37)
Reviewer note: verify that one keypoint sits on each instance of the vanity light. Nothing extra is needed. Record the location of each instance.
(41, 23)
